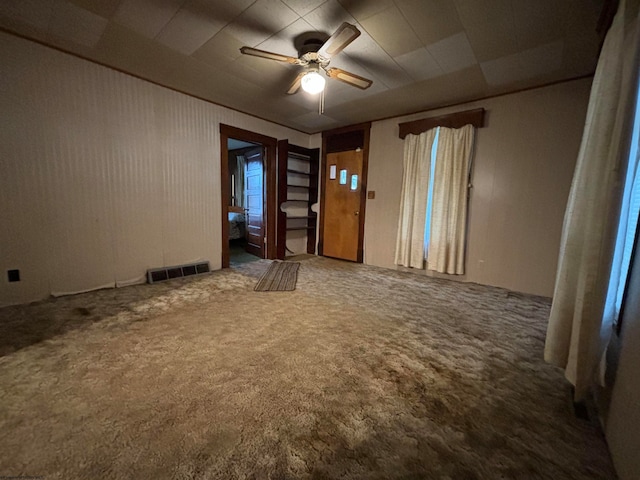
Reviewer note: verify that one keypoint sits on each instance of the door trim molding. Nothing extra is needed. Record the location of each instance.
(345, 139)
(269, 144)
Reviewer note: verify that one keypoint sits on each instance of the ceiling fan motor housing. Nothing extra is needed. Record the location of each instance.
(311, 45)
(309, 51)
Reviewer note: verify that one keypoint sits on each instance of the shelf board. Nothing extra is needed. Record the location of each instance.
(298, 172)
(301, 228)
(297, 186)
(301, 217)
(298, 158)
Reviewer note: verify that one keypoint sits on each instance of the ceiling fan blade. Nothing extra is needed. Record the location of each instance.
(343, 36)
(350, 78)
(269, 55)
(295, 86)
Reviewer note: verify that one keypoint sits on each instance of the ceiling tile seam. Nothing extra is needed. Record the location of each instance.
(359, 25)
(418, 36)
(238, 15)
(408, 22)
(464, 29)
(284, 28)
(281, 30)
(372, 74)
(292, 10)
(311, 11)
(170, 20)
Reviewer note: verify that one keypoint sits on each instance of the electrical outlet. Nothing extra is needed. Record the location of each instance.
(13, 275)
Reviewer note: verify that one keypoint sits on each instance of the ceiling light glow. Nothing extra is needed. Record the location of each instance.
(313, 82)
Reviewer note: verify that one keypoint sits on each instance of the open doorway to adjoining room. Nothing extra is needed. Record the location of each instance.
(247, 170)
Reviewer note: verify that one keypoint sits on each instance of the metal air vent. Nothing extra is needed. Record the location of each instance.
(167, 273)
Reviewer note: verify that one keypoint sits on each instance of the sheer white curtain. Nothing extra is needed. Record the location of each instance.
(413, 202)
(577, 335)
(450, 193)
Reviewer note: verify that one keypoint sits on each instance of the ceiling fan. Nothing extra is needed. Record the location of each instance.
(315, 55)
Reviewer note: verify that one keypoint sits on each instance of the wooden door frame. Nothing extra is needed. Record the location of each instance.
(284, 147)
(269, 216)
(340, 140)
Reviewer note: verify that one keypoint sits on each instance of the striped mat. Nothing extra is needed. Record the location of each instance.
(281, 277)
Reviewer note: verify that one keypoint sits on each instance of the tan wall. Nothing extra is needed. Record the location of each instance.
(102, 175)
(522, 173)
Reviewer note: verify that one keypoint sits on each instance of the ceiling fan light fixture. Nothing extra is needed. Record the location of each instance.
(312, 82)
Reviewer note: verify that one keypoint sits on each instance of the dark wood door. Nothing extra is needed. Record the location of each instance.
(342, 204)
(254, 201)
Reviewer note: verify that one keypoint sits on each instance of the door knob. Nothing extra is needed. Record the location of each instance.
(356, 213)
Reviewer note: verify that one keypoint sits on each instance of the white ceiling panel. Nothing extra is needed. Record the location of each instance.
(104, 8)
(418, 53)
(77, 24)
(35, 13)
(283, 41)
(336, 93)
(304, 100)
(391, 77)
(235, 7)
(419, 64)
(147, 17)
(363, 10)
(220, 50)
(432, 20)
(453, 53)
(539, 22)
(260, 21)
(302, 7)
(339, 93)
(484, 11)
(531, 63)
(366, 52)
(503, 70)
(190, 28)
(542, 60)
(314, 120)
(492, 39)
(391, 31)
(329, 16)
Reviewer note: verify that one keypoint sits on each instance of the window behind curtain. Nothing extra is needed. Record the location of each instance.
(628, 222)
(427, 225)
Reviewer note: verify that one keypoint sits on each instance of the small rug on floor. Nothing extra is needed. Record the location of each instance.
(281, 277)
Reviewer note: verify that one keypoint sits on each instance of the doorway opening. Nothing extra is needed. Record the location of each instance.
(247, 167)
(246, 201)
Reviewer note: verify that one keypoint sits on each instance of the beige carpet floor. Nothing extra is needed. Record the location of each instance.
(360, 373)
